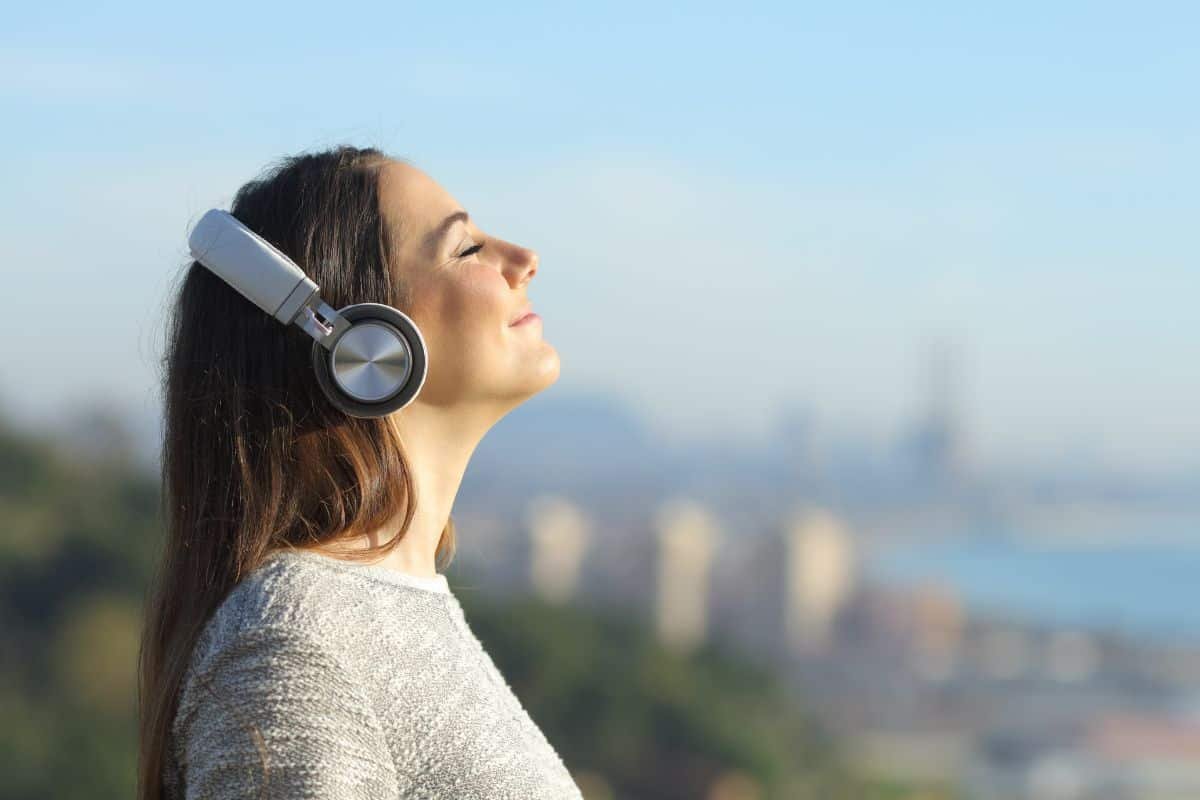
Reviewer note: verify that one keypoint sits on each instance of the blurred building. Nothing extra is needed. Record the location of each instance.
(818, 578)
(558, 539)
(1117, 756)
(934, 448)
(938, 622)
(687, 538)
(781, 592)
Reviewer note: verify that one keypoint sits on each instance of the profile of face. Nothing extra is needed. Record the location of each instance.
(466, 289)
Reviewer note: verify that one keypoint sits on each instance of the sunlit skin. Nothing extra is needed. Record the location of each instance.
(479, 367)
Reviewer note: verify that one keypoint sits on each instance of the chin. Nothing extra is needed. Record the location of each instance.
(553, 366)
(535, 384)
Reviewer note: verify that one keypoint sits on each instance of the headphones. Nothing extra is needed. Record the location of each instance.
(370, 359)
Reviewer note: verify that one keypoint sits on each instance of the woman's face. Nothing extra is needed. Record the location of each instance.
(464, 297)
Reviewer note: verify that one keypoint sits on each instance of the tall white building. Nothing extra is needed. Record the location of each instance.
(559, 535)
(819, 577)
(687, 536)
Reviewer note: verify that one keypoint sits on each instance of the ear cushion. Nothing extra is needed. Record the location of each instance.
(386, 315)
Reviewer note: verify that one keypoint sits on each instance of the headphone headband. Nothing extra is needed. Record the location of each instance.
(370, 359)
(263, 274)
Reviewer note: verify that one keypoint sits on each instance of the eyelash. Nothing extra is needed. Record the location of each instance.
(472, 249)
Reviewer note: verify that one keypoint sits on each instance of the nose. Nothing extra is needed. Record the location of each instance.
(525, 264)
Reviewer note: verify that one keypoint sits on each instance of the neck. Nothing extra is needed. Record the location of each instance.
(438, 442)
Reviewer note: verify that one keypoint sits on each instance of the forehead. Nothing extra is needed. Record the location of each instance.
(413, 204)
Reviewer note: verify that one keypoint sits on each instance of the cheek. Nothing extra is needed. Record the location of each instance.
(472, 303)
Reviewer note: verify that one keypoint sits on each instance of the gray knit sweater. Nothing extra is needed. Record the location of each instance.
(363, 682)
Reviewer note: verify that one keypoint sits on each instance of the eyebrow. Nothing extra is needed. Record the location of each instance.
(437, 233)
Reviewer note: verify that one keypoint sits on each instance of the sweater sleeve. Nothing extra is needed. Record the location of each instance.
(277, 694)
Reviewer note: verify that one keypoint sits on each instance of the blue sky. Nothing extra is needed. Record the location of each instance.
(739, 209)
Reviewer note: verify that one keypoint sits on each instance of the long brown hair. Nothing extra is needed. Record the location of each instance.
(254, 456)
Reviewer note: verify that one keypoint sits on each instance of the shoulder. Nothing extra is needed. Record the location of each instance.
(265, 694)
(266, 638)
(284, 620)
(270, 670)
(299, 614)
(282, 603)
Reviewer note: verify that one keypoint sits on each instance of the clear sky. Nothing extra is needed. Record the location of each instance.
(739, 209)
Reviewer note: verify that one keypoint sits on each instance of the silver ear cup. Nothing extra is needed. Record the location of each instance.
(374, 367)
(371, 361)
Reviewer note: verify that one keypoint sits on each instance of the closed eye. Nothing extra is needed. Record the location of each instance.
(470, 250)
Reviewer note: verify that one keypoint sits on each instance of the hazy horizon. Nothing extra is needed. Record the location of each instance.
(735, 216)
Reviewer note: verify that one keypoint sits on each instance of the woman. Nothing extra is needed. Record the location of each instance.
(299, 639)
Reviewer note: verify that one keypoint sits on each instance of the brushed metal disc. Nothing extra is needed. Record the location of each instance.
(371, 361)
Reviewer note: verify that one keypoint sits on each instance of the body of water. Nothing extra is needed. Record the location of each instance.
(1144, 588)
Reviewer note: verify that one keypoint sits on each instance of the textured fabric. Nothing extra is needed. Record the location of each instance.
(363, 682)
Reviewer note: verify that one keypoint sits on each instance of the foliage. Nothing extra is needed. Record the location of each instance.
(631, 718)
(653, 722)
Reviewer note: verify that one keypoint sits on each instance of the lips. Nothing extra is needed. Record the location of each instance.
(521, 316)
